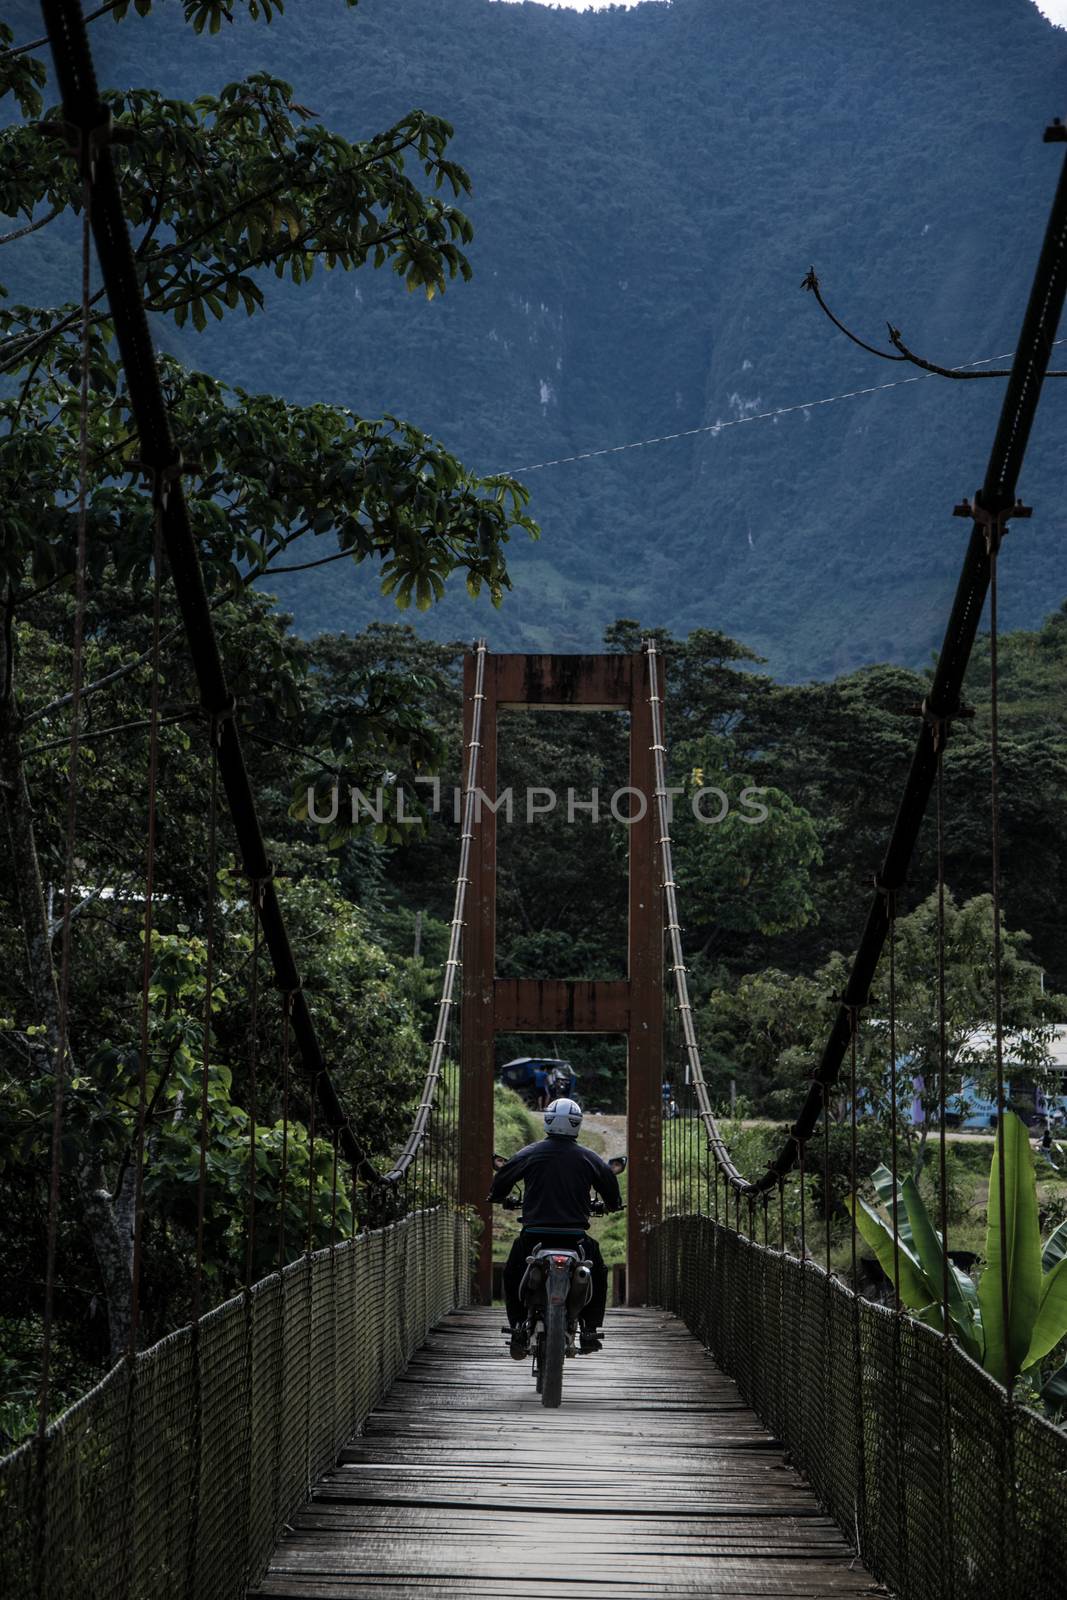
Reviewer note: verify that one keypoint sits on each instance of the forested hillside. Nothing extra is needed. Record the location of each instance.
(650, 187)
(770, 909)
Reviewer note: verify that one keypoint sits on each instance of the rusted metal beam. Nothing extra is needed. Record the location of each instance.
(561, 1005)
(632, 1006)
(563, 683)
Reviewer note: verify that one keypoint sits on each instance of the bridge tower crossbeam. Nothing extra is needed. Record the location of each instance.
(632, 1005)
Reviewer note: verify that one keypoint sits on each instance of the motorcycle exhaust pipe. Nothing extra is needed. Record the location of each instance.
(581, 1288)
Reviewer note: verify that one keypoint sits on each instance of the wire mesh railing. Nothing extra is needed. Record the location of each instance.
(949, 1484)
(176, 1475)
(945, 1487)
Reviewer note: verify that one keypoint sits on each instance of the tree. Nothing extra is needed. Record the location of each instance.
(774, 1026)
(217, 192)
(745, 851)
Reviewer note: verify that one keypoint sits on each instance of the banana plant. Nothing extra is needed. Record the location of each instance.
(1054, 1389)
(919, 1260)
(1018, 1313)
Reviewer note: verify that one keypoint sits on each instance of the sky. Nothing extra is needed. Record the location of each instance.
(1055, 10)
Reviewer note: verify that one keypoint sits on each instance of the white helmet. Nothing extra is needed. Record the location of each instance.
(563, 1118)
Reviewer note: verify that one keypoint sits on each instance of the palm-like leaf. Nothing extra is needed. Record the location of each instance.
(1013, 1259)
(1055, 1248)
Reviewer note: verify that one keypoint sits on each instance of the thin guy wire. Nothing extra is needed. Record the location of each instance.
(312, 1097)
(146, 963)
(63, 1030)
(942, 1036)
(803, 1205)
(895, 1208)
(948, 1564)
(209, 986)
(827, 1208)
(696, 1071)
(998, 996)
(253, 1096)
(853, 1230)
(283, 1184)
(333, 1199)
(762, 416)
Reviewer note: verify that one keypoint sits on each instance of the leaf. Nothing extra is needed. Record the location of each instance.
(882, 1179)
(1050, 1325)
(932, 1257)
(1055, 1248)
(1054, 1392)
(1018, 1256)
(916, 1290)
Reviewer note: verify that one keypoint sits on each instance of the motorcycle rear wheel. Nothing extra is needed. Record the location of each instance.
(555, 1344)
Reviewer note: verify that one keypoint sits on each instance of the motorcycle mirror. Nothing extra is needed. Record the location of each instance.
(617, 1164)
(499, 1161)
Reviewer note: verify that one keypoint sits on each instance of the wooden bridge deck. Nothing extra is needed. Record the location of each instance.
(652, 1479)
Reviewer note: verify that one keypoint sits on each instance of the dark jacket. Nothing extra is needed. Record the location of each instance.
(557, 1175)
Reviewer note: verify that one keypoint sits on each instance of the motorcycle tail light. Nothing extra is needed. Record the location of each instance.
(561, 1261)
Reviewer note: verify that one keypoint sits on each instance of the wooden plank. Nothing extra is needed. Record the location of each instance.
(653, 1479)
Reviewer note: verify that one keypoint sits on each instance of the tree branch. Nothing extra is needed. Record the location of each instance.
(303, 566)
(99, 683)
(118, 727)
(952, 372)
(811, 283)
(30, 227)
(293, 749)
(39, 44)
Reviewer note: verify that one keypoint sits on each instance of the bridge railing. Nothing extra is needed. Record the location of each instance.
(951, 1488)
(176, 1475)
(948, 1489)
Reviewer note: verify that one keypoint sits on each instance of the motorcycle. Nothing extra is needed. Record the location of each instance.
(555, 1289)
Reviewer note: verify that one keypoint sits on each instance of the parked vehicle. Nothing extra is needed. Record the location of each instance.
(539, 1079)
(555, 1288)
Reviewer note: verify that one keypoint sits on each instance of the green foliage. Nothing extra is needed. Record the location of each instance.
(750, 872)
(217, 191)
(1013, 1257)
(513, 1123)
(771, 1026)
(20, 75)
(1018, 1314)
(870, 1144)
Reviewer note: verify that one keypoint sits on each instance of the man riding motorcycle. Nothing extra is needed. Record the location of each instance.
(557, 1174)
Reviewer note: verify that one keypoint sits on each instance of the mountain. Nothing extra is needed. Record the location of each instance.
(650, 187)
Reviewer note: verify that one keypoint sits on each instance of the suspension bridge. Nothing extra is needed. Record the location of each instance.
(348, 1424)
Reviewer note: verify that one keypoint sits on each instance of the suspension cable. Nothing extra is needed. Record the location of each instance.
(716, 1142)
(452, 962)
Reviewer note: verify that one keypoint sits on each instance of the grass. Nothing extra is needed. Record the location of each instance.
(514, 1126)
(751, 1144)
